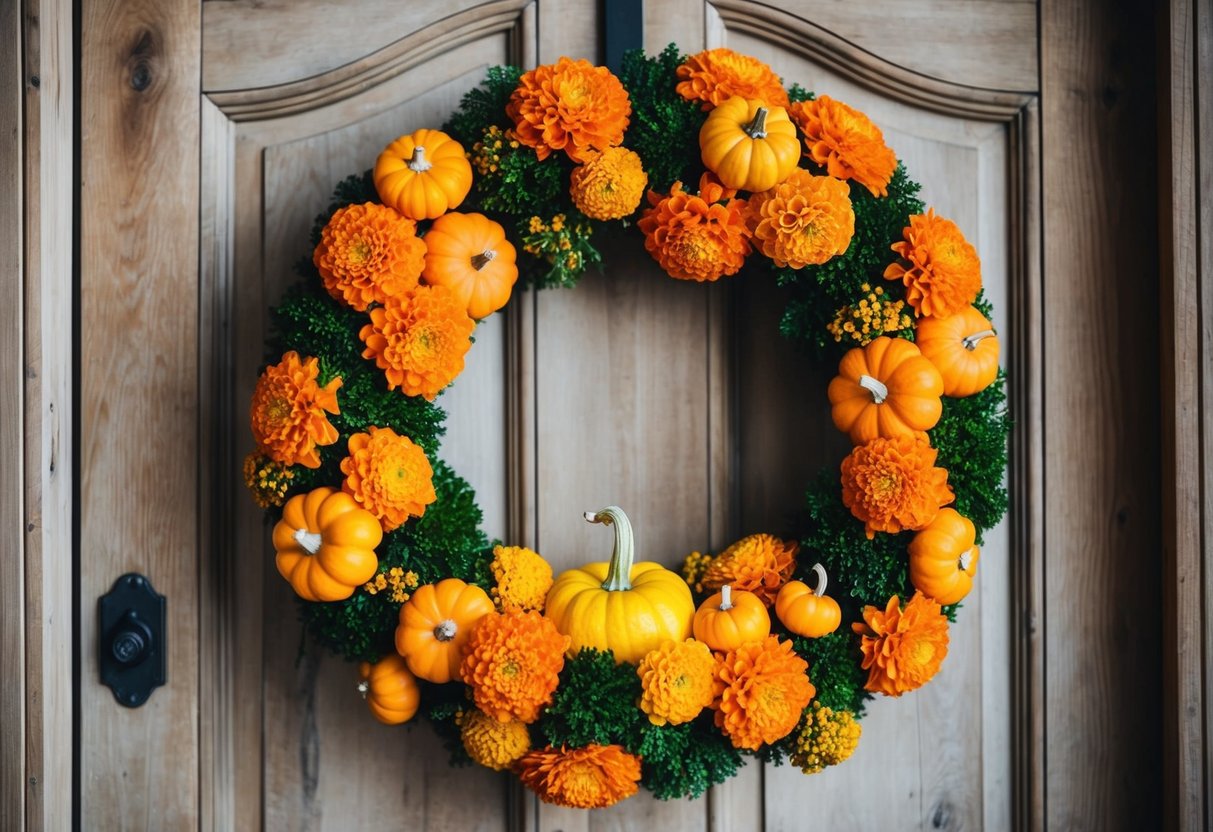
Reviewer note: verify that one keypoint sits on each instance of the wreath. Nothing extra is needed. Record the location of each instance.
(620, 674)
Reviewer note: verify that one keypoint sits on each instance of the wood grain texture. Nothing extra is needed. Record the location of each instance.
(139, 394)
(1102, 446)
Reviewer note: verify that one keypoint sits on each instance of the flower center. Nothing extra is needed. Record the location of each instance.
(359, 250)
(921, 652)
(510, 669)
(278, 409)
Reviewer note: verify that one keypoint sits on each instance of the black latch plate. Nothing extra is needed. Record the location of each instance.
(131, 643)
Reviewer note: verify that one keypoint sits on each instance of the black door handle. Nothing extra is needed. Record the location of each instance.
(132, 639)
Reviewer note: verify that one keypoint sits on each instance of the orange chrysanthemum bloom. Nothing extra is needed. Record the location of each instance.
(846, 142)
(944, 275)
(902, 649)
(491, 743)
(571, 106)
(592, 777)
(368, 252)
(761, 690)
(676, 681)
(288, 411)
(716, 75)
(893, 484)
(697, 237)
(804, 220)
(389, 476)
(419, 340)
(512, 662)
(760, 563)
(609, 186)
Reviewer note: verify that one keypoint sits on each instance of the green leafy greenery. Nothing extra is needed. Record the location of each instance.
(664, 128)
(834, 670)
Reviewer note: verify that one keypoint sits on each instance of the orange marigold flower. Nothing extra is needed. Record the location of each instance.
(592, 777)
(761, 690)
(944, 274)
(846, 142)
(893, 484)
(696, 237)
(512, 662)
(676, 681)
(609, 186)
(902, 649)
(716, 75)
(368, 252)
(491, 743)
(804, 220)
(760, 563)
(389, 476)
(288, 411)
(419, 340)
(522, 578)
(571, 106)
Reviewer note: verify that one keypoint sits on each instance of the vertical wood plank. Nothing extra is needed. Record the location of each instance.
(1101, 419)
(139, 139)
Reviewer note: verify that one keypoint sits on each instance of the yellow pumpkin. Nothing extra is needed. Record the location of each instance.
(325, 544)
(963, 347)
(808, 612)
(749, 145)
(943, 557)
(423, 175)
(469, 254)
(435, 624)
(730, 619)
(389, 689)
(629, 608)
(885, 389)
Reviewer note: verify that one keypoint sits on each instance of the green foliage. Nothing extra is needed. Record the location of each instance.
(797, 93)
(483, 106)
(595, 703)
(664, 128)
(556, 252)
(684, 761)
(834, 669)
(511, 179)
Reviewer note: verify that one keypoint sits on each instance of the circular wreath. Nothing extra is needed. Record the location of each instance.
(622, 674)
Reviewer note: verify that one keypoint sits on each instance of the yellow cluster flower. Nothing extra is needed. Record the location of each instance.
(610, 185)
(522, 578)
(873, 316)
(395, 581)
(694, 568)
(491, 743)
(563, 245)
(827, 738)
(676, 681)
(266, 479)
(486, 153)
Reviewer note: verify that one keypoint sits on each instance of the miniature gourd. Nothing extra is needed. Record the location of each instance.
(808, 612)
(390, 690)
(325, 544)
(423, 175)
(731, 618)
(943, 557)
(963, 347)
(886, 388)
(749, 145)
(469, 254)
(435, 624)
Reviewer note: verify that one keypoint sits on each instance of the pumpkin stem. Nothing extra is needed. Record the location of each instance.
(726, 597)
(418, 163)
(364, 687)
(876, 387)
(310, 541)
(757, 129)
(970, 342)
(966, 560)
(619, 573)
(446, 630)
(820, 572)
(483, 259)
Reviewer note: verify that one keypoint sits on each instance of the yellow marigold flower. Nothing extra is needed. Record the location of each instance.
(893, 484)
(266, 479)
(522, 578)
(570, 105)
(419, 340)
(592, 777)
(902, 649)
(845, 142)
(693, 569)
(389, 476)
(288, 411)
(701, 237)
(944, 272)
(609, 186)
(827, 738)
(676, 681)
(491, 743)
(512, 662)
(760, 563)
(761, 690)
(804, 220)
(368, 252)
(716, 75)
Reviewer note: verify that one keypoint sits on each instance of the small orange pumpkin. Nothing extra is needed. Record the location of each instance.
(749, 145)
(469, 254)
(885, 389)
(943, 557)
(808, 612)
(963, 347)
(730, 619)
(423, 175)
(435, 624)
(390, 690)
(326, 544)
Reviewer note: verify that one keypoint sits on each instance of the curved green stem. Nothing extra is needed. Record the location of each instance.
(619, 573)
